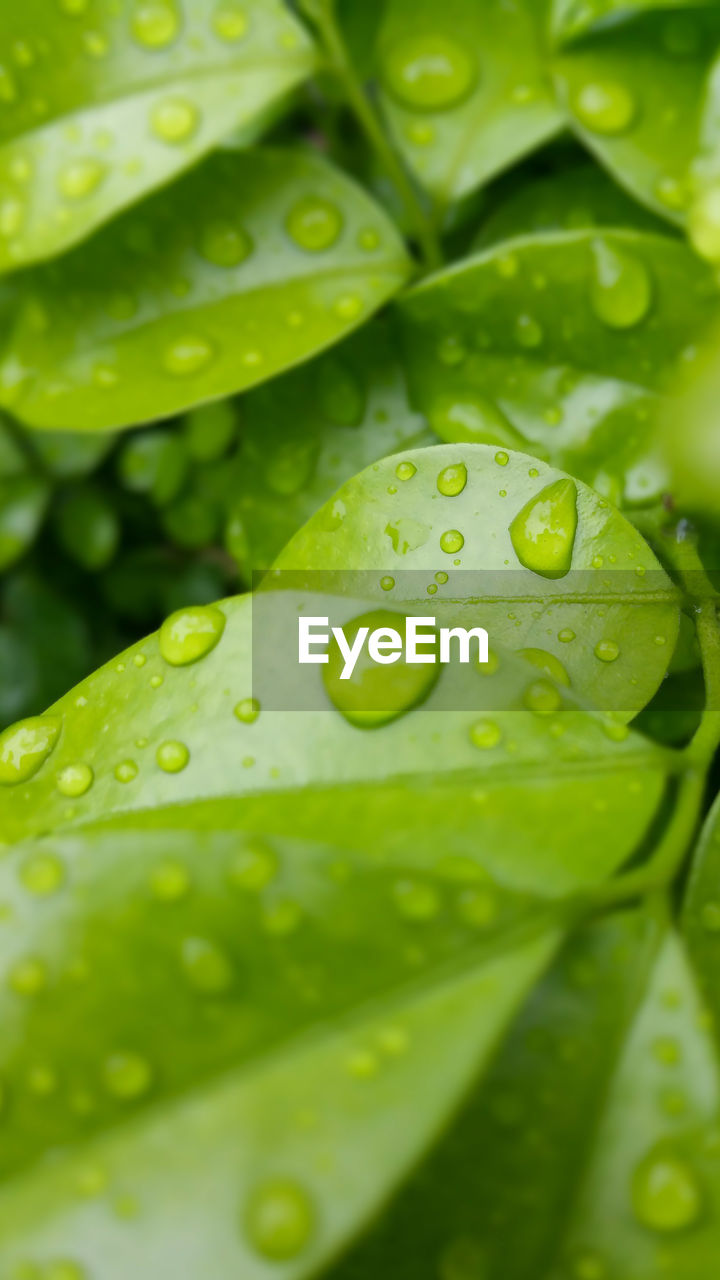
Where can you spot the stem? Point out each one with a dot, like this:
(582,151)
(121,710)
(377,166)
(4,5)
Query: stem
(704,744)
(323,14)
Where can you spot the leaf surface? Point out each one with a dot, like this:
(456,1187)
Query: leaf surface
(104,102)
(252,263)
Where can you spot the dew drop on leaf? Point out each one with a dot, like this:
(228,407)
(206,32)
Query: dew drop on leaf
(189,634)
(230,21)
(127,1075)
(169,882)
(247,710)
(405,470)
(528,333)
(416,900)
(374,694)
(607,650)
(172,756)
(429,72)
(485,734)
(704,225)
(126,771)
(314,224)
(174,120)
(205,966)
(605,107)
(542,698)
(621,290)
(187,355)
(452,480)
(43,874)
(154,23)
(279,1219)
(451,541)
(666,1195)
(543,532)
(75,779)
(80,178)
(254,866)
(224,244)
(25,746)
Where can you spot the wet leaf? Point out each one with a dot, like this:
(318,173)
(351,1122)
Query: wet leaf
(102,103)
(250,264)
(465,88)
(560,343)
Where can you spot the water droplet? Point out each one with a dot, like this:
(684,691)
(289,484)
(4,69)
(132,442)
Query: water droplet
(429,72)
(566,636)
(126,771)
(174,120)
(206,967)
(154,23)
(25,746)
(452,480)
(477,907)
(80,178)
(485,734)
(416,900)
(314,224)
(607,650)
(225,244)
(542,698)
(75,779)
(187,355)
(405,470)
(614,729)
(502,458)
(279,1219)
(127,1076)
(254,866)
(377,693)
(282,917)
(528,333)
(387,583)
(43,874)
(672,192)
(95,44)
(348,306)
(230,21)
(605,107)
(188,634)
(172,756)
(666,1196)
(543,532)
(621,290)
(169,882)
(368,239)
(247,710)
(451,541)
(28,977)
(546,662)
(452,351)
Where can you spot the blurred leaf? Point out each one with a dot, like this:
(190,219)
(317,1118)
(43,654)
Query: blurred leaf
(87,526)
(560,343)
(44,644)
(23,503)
(465,88)
(69,454)
(104,102)
(305,434)
(691,430)
(252,263)
(571,18)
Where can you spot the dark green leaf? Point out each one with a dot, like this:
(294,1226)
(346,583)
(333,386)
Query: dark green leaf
(571,18)
(252,263)
(23,502)
(101,103)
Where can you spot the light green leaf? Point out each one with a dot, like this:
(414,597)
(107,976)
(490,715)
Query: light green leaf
(560,343)
(251,263)
(465,88)
(102,102)
(633,93)
(305,434)
(601,1110)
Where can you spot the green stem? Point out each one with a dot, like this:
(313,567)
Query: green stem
(323,14)
(704,744)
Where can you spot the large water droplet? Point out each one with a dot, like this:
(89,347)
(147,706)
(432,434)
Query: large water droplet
(174,120)
(154,23)
(25,746)
(75,779)
(314,224)
(279,1219)
(605,107)
(80,178)
(429,72)
(451,541)
(666,1195)
(189,634)
(621,290)
(452,480)
(543,532)
(206,967)
(225,244)
(172,756)
(375,693)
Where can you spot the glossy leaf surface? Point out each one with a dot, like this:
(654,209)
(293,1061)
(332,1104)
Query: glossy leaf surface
(571,18)
(103,102)
(560,343)
(465,88)
(273,257)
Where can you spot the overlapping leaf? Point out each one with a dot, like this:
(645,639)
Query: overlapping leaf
(251,264)
(102,102)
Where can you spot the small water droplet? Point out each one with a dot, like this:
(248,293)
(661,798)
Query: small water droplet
(429,72)
(174,120)
(485,734)
(542,698)
(205,966)
(477,907)
(416,900)
(452,480)
(154,23)
(80,178)
(314,224)
(25,746)
(189,634)
(376,693)
(605,107)
(502,458)
(666,1195)
(187,355)
(126,771)
(451,541)
(127,1075)
(230,21)
(254,866)
(566,636)
(279,1219)
(405,470)
(607,650)
(75,779)
(621,290)
(28,977)
(247,710)
(225,244)
(543,532)
(172,756)
(387,583)
(42,874)
(169,882)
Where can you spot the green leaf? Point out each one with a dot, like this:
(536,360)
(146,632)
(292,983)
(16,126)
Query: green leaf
(23,503)
(572,18)
(601,1110)
(701,915)
(250,264)
(465,89)
(560,343)
(633,93)
(102,104)
(305,434)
